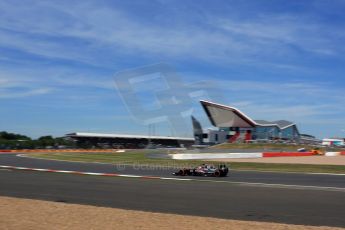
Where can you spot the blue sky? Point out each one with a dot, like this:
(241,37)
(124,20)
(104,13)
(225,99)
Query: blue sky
(271,59)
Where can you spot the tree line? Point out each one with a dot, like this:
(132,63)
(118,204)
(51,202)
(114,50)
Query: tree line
(18,141)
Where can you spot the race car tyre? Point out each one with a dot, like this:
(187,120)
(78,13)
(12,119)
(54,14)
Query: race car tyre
(181,172)
(217,173)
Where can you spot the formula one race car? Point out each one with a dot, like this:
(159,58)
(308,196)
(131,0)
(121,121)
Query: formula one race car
(204,170)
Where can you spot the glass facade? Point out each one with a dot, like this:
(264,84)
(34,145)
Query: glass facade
(274,132)
(266,132)
(290,133)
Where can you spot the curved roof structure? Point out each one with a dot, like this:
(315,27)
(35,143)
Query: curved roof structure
(226,116)
(282,124)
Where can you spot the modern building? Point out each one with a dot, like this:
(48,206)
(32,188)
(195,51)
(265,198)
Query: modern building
(235,126)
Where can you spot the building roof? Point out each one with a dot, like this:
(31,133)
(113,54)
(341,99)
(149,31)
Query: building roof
(282,124)
(226,116)
(126,136)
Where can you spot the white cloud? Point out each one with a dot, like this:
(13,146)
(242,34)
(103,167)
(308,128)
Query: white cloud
(14,86)
(280,31)
(221,40)
(281,90)
(296,112)
(6,94)
(83,80)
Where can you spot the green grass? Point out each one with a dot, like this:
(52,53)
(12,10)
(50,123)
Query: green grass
(140,158)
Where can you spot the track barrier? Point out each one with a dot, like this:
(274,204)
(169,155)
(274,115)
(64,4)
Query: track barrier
(287,154)
(195,156)
(62,150)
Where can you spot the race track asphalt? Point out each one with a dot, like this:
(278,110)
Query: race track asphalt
(292,205)
(320,180)
(220,200)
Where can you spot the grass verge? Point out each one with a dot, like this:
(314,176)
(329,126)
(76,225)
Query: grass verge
(141,158)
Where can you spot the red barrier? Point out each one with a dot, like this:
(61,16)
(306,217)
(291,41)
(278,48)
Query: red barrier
(5,151)
(342,153)
(287,154)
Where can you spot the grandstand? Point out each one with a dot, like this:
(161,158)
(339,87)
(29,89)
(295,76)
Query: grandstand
(101,140)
